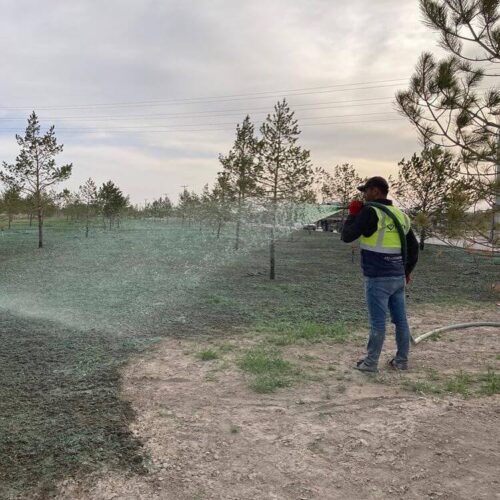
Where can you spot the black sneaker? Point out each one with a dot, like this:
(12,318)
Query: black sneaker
(362,366)
(398,365)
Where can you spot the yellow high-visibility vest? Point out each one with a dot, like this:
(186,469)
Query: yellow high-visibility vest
(386,238)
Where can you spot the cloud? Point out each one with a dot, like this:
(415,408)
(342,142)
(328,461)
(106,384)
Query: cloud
(86,54)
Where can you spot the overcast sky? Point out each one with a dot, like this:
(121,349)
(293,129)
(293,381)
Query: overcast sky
(148,93)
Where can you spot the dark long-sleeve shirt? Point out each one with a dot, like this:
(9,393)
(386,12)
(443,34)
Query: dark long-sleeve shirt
(365,224)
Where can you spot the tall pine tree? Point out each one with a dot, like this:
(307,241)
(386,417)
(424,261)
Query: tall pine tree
(285,167)
(241,169)
(35,170)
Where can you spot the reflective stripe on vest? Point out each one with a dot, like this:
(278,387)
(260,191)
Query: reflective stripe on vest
(386,238)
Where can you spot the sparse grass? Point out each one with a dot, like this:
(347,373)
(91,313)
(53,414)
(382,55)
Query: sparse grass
(381,378)
(207,355)
(220,300)
(304,332)
(226,347)
(307,357)
(264,384)
(490,383)
(260,361)
(462,383)
(436,337)
(211,377)
(459,384)
(433,374)
(270,370)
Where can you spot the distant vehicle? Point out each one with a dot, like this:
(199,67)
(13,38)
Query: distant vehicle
(309,227)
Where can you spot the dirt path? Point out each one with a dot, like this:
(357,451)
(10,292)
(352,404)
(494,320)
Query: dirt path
(340,434)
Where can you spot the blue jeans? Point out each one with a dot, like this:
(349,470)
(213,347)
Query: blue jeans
(382,294)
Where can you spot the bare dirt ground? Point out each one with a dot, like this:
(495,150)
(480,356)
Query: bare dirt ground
(340,434)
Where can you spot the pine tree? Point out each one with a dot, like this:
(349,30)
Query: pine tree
(35,170)
(112,201)
(188,205)
(89,197)
(285,168)
(342,185)
(424,187)
(223,198)
(455,101)
(242,170)
(12,203)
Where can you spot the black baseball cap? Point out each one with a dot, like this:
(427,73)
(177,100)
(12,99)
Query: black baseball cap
(378,182)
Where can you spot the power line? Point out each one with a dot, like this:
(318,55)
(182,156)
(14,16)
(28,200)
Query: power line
(229,98)
(163,130)
(228,112)
(225,123)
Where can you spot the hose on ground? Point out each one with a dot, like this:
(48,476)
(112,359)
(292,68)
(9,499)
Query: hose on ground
(458,326)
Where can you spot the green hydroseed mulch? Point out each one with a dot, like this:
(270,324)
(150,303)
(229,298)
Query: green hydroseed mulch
(74,312)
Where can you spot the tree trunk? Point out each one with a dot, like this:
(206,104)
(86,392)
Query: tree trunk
(10,220)
(219,226)
(110,223)
(422,239)
(238,224)
(272,246)
(31,219)
(493,230)
(272,252)
(237,242)
(40,227)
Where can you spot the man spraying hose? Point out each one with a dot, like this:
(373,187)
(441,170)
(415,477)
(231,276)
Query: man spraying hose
(389,253)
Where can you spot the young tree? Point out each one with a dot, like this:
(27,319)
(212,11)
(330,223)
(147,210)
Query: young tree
(12,203)
(30,207)
(35,170)
(206,207)
(112,201)
(188,205)
(342,185)
(285,168)
(425,186)
(89,197)
(162,207)
(182,204)
(69,204)
(242,170)
(455,101)
(222,197)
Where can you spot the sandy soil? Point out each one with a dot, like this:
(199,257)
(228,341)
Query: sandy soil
(343,435)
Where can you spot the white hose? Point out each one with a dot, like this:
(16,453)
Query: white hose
(459,326)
